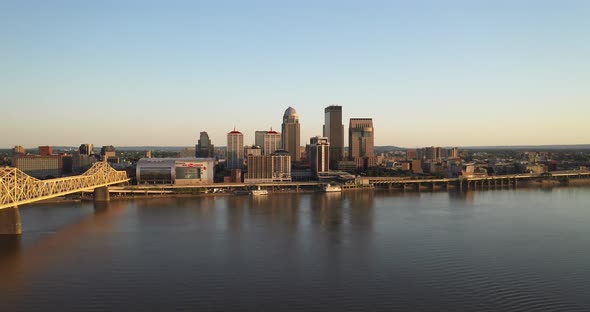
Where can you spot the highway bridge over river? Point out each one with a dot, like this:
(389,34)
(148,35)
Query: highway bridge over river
(17,188)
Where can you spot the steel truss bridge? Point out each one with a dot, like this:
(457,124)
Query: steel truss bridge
(17,188)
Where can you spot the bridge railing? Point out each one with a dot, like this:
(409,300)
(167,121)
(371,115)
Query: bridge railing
(16,187)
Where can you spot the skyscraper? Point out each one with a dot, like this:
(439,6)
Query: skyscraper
(235,150)
(319,154)
(204,148)
(360,138)
(259,138)
(334,131)
(272,142)
(290,135)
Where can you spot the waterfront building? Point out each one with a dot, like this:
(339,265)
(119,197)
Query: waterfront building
(272,142)
(86,149)
(334,131)
(45,150)
(291,133)
(39,166)
(361,148)
(417,166)
(319,154)
(177,171)
(269,168)
(235,150)
(204,147)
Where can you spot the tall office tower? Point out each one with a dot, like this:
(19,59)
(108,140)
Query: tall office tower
(259,138)
(360,138)
(19,150)
(319,153)
(45,150)
(204,148)
(290,135)
(272,142)
(235,150)
(334,131)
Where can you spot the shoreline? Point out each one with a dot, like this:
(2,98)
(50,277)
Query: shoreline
(453,188)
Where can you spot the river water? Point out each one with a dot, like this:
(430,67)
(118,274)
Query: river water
(501,250)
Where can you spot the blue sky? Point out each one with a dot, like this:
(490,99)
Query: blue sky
(446,73)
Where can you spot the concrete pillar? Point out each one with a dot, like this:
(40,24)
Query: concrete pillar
(10,222)
(101,194)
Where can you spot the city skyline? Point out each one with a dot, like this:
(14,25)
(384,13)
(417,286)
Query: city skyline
(428,73)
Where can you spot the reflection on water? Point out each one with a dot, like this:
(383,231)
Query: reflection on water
(501,250)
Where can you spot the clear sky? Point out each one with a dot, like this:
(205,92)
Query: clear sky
(448,73)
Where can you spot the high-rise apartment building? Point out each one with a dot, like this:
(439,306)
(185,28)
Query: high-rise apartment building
(334,131)
(319,153)
(235,150)
(204,148)
(272,142)
(269,168)
(361,138)
(86,149)
(291,133)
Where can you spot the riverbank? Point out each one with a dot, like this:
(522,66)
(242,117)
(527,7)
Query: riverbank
(346,188)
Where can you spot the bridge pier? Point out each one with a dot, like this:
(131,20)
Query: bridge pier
(10,221)
(101,194)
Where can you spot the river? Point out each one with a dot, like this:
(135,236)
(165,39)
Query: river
(370,250)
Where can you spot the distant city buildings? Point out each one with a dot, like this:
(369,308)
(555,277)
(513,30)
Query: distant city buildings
(204,147)
(334,131)
(86,149)
(235,150)
(19,150)
(45,150)
(108,154)
(291,133)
